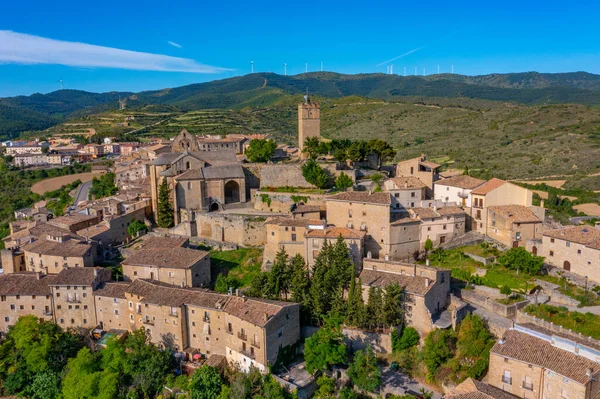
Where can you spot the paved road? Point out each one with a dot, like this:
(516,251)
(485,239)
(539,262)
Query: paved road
(83,192)
(397,383)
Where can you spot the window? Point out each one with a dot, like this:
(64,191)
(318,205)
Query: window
(527,383)
(293,237)
(293,228)
(444,227)
(171,274)
(7,319)
(568,243)
(506,378)
(397,195)
(135,273)
(349,213)
(115,300)
(58,307)
(272,233)
(84,321)
(552,240)
(18,297)
(413,194)
(518,235)
(579,252)
(32,307)
(286,228)
(117,312)
(13,307)
(551,253)
(364,213)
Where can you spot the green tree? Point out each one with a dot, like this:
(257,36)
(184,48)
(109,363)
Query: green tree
(261,150)
(383,150)
(135,227)
(343,181)
(428,246)
(439,347)
(505,290)
(341,269)
(206,383)
(314,174)
(45,385)
(392,314)
(358,151)
(278,282)
(326,388)
(377,178)
(409,338)
(326,347)
(164,206)
(520,259)
(473,344)
(299,280)
(355,313)
(364,371)
(340,155)
(374,308)
(312,147)
(103,186)
(321,295)
(224,282)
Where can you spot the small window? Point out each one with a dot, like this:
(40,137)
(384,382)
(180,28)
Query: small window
(293,237)
(568,243)
(579,252)
(552,240)
(413,194)
(551,253)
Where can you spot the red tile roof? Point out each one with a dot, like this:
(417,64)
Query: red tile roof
(489,186)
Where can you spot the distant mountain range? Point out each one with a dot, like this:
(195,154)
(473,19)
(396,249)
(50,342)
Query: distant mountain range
(40,111)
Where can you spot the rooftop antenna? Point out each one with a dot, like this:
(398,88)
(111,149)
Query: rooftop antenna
(404,71)
(252,65)
(285,69)
(61,83)
(321,66)
(306,67)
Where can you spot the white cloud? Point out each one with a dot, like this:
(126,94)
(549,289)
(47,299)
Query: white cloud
(175,44)
(401,55)
(19,48)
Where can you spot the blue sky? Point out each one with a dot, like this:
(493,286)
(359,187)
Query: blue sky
(214,40)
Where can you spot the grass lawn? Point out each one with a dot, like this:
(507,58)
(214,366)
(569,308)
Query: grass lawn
(242,263)
(478,250)
(287,189)
(585,323)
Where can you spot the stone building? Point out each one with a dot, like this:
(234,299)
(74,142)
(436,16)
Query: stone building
(575,249)
(315,239)
(126,174)
(440,225)
(54,253)
(426,289)
(288,233)
(24,294)
(515,225)
(75,222)
(492,193)
(456,189)
(407,192)
(427,172)
(473,389)
(309,122)
(534,363)
(72,293)
(247,331)
(178,266)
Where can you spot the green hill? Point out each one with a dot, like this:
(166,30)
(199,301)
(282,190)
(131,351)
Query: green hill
(39,111)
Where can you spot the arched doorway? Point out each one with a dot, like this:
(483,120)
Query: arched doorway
(232,192)
(534,250)
(567,265)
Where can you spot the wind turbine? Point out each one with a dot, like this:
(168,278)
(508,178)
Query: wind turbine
(415,71)
(321,66)
(392,69)
(306,67)
(453,69)
(438,69)
(423,71)
(252,65)
(404,71)
(61,83)
(285,69)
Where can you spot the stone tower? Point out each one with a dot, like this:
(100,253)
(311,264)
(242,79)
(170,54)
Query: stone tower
(309,122)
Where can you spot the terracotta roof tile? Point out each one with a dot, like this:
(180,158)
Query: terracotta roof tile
(412,284)
(586,235)
(284,221)
(112,290)
(461,181)
(175,258)
(473,389)
(406,183)
(81,276)
(380,198)
(25,284)
(516,213)
(488,186)
(529,349)
(69,248)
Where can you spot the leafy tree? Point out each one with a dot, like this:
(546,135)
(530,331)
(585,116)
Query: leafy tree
(259,286)
(326,388)
(321,295)
(299,280)
(45,385)
(341,270)
(377,178)
(383,150)
(439,347)
(520,259)
(164,206)
(206,383)
(474,341)
(340,155)
(278,281)
(343,181)
(347,393)
(428,245)
(314,174)
(225,282)
(355,313)
(261,150)
(326,347)
(409,338)
(364,371)
(358,151)
(312,147)
(103,186)
(136,227)
(392,314)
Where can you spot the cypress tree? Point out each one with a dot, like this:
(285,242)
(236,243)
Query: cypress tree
(164,206)
(374,307)
(342,267)
(299,280)
(392,314)
(355,313)
(277,275)
(321,290)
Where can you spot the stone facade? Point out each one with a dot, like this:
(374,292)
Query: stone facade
(407,192)
(54,253)
(427,172)
(24,294)
(514,225)
(309,122)
(238,229)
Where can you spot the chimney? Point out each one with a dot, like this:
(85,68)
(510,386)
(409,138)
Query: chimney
(369,255)
(237,292)
(405,184)
(427,263)
(266,315)
(386,257)
(427,282)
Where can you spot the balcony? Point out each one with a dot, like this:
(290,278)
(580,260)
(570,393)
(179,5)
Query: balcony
(528,386)
(507,380)
(248,353)
(73,300)
(173,314)
(149,322)
(255,344)
(242,336)
(230,332)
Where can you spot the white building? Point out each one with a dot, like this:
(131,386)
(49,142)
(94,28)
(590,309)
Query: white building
(456,189)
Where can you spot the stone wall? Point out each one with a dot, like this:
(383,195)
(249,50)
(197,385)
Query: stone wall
(358,339)
(483,300)
(460,310)
(237,229)
(485,261)
(283,175)
(556,296)
(523,318)
(281,202)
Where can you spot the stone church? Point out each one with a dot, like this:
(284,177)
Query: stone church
(199,180)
